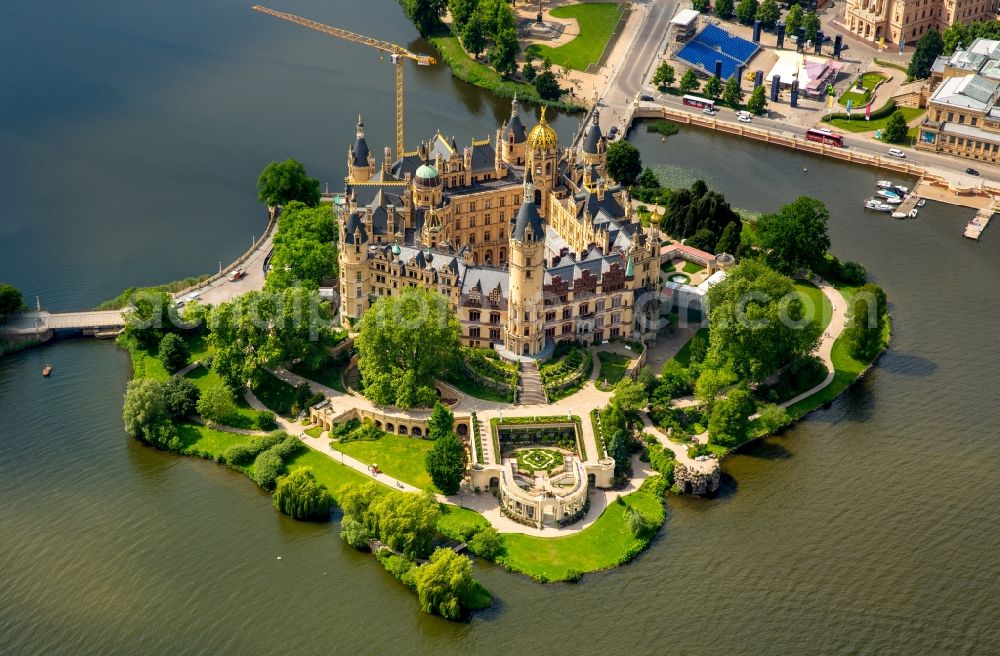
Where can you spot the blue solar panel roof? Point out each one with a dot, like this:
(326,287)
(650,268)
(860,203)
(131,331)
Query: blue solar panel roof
(714,43)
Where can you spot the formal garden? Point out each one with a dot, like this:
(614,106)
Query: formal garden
(534,460)
(567,371)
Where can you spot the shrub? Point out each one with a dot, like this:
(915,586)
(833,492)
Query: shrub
(300,496)
(266,469)
(265,420)
(173,352)
(488,543)
(573,576)
(180,396)
(354,533)
(639,524)
(243,454)
(365,430)
(399,567)
(287,447)
(216,404)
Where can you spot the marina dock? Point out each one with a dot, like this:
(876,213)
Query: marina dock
(974,229)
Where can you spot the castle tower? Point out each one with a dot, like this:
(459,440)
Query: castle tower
(360,161)
(512,139)
(595,145)
(355,279)
(543,160)
(525,328)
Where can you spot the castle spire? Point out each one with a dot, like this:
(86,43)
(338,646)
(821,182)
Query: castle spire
(529,186)
(361,128)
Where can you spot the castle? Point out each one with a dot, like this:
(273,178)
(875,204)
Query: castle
(532,244)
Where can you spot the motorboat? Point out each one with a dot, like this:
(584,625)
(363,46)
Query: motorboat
(899,215)
(883,184)
(888,195)
(913,213)
(901,189)
(47,371)
(921,202)
(877,205)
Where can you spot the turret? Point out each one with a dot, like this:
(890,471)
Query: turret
(543,159)
(353,259)
(595,145)
(513,138)
(360,161)
(525,328)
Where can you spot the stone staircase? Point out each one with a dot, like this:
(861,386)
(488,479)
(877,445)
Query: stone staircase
(529,388)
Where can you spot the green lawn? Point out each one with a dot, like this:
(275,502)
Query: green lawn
(597,21)
(868,81)
(612,368)
(397,455)
(328,471)
(692,267)
(859,124)
(275,393)
(202,440)
(600,546)
(683,356)
(474,388)
(198,347)
(315,431)
(815,301)
(456,523)
(474,72)
(205,378)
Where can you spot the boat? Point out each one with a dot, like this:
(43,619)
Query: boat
(914,212)
(899,215)
(901,189)
(877,205)
(885,193)
(921,202)
(883,184)
(47,371)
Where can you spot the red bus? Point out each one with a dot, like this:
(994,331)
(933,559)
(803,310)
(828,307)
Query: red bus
(823,135)
(698,101)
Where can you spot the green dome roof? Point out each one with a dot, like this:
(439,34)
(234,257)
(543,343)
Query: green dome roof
(426,171)
(395,249)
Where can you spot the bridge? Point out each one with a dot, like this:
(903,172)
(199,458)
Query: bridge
(42,324)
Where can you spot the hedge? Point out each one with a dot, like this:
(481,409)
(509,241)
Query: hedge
(885,110)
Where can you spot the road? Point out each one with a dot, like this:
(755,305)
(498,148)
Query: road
(222,290)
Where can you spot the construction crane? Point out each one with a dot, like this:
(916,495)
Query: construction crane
(396,54)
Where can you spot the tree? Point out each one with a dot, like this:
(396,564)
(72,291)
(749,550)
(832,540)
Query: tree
(774,417)
(793,19)
(216,404)
(529,72)
(630,395)
(145,408)
(758,101)
(713,88)
(746,10)
(703,240)
(639,523)
(173,353)
(446,462)
(929,48)
(301,496)
(688,82)
(444,583)
(503,54)
(354,532)
(461,11)
(699,5)
(711,383)
(304,252)
(723,8)
(729,242)
(648,179)
(497,16)
(281,182)
(547,87)
(180,397)
(733,93)
(619,448)
(624,163)
(768,13)
(441,423)
(474,35)
(403,343)
(795,237)
(690,210)
(729,423)
(487,543)
(757,322)
(896,128)
(257,330)
(664,76)
(810,25)
(150,316)
(866,322)
(425,14)
(11,301)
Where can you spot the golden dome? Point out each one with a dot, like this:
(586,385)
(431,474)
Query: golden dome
(542,136)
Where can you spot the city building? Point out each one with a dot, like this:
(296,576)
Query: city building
(905,21)
(531,243)
(963,117)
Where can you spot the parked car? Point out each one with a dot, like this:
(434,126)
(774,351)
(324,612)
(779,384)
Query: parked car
(646,97)
(193,296)
(971,171)
(612,133)
(744,118)
(896,152)
(236,274)
(709,111)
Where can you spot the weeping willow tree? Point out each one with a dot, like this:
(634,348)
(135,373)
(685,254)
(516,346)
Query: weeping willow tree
(301,496)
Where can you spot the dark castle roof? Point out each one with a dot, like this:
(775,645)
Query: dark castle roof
(593,136)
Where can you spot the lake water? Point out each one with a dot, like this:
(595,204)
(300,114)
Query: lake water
(133,134)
